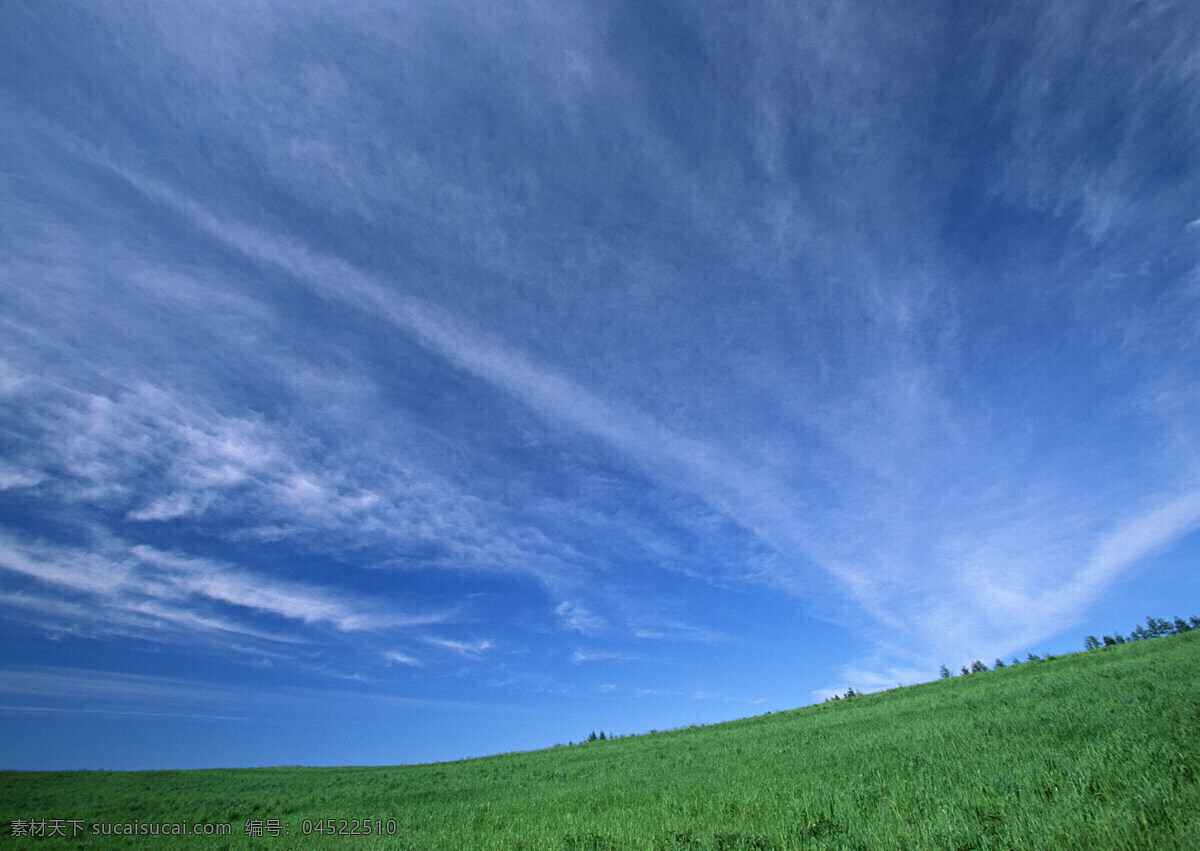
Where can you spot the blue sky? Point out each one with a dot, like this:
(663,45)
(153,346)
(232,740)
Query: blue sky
(393,382)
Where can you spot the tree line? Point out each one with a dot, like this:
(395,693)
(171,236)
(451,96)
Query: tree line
(1154,628)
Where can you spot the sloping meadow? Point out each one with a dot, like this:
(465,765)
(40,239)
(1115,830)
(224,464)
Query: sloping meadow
(1094,750)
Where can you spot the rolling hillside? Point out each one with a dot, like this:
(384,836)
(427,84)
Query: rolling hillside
(1094,750)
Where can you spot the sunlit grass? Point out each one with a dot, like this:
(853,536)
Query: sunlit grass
(1094,750)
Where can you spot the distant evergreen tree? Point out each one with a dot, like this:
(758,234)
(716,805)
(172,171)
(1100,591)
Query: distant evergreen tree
(999,664)
(1091,643)
(1119,638)
(1109,641)
(592,736)
(965,671)
(1139,634)
(978,667)
(1181,625)
(1194,621)
(1158,628)
(602,735)
(1016,661)
(944,672)
(1033,657)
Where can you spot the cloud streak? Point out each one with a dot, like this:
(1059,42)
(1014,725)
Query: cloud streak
(738,487)
(162,596)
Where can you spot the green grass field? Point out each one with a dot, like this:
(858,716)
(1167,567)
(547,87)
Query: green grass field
(1095,750)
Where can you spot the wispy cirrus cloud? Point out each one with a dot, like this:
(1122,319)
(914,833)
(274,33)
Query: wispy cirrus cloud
(157,457)
(399,658)
(579,618)
(582,656)
(913,415)
(162,596)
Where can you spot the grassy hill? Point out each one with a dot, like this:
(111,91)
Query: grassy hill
(1095,750)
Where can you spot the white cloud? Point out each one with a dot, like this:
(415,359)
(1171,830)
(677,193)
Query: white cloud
(580,656)
(1151,530)
(269,595)
(114,586)
(466,649)
(12,477)
(578,618)
(159,456)
(667,630)
(400,658)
